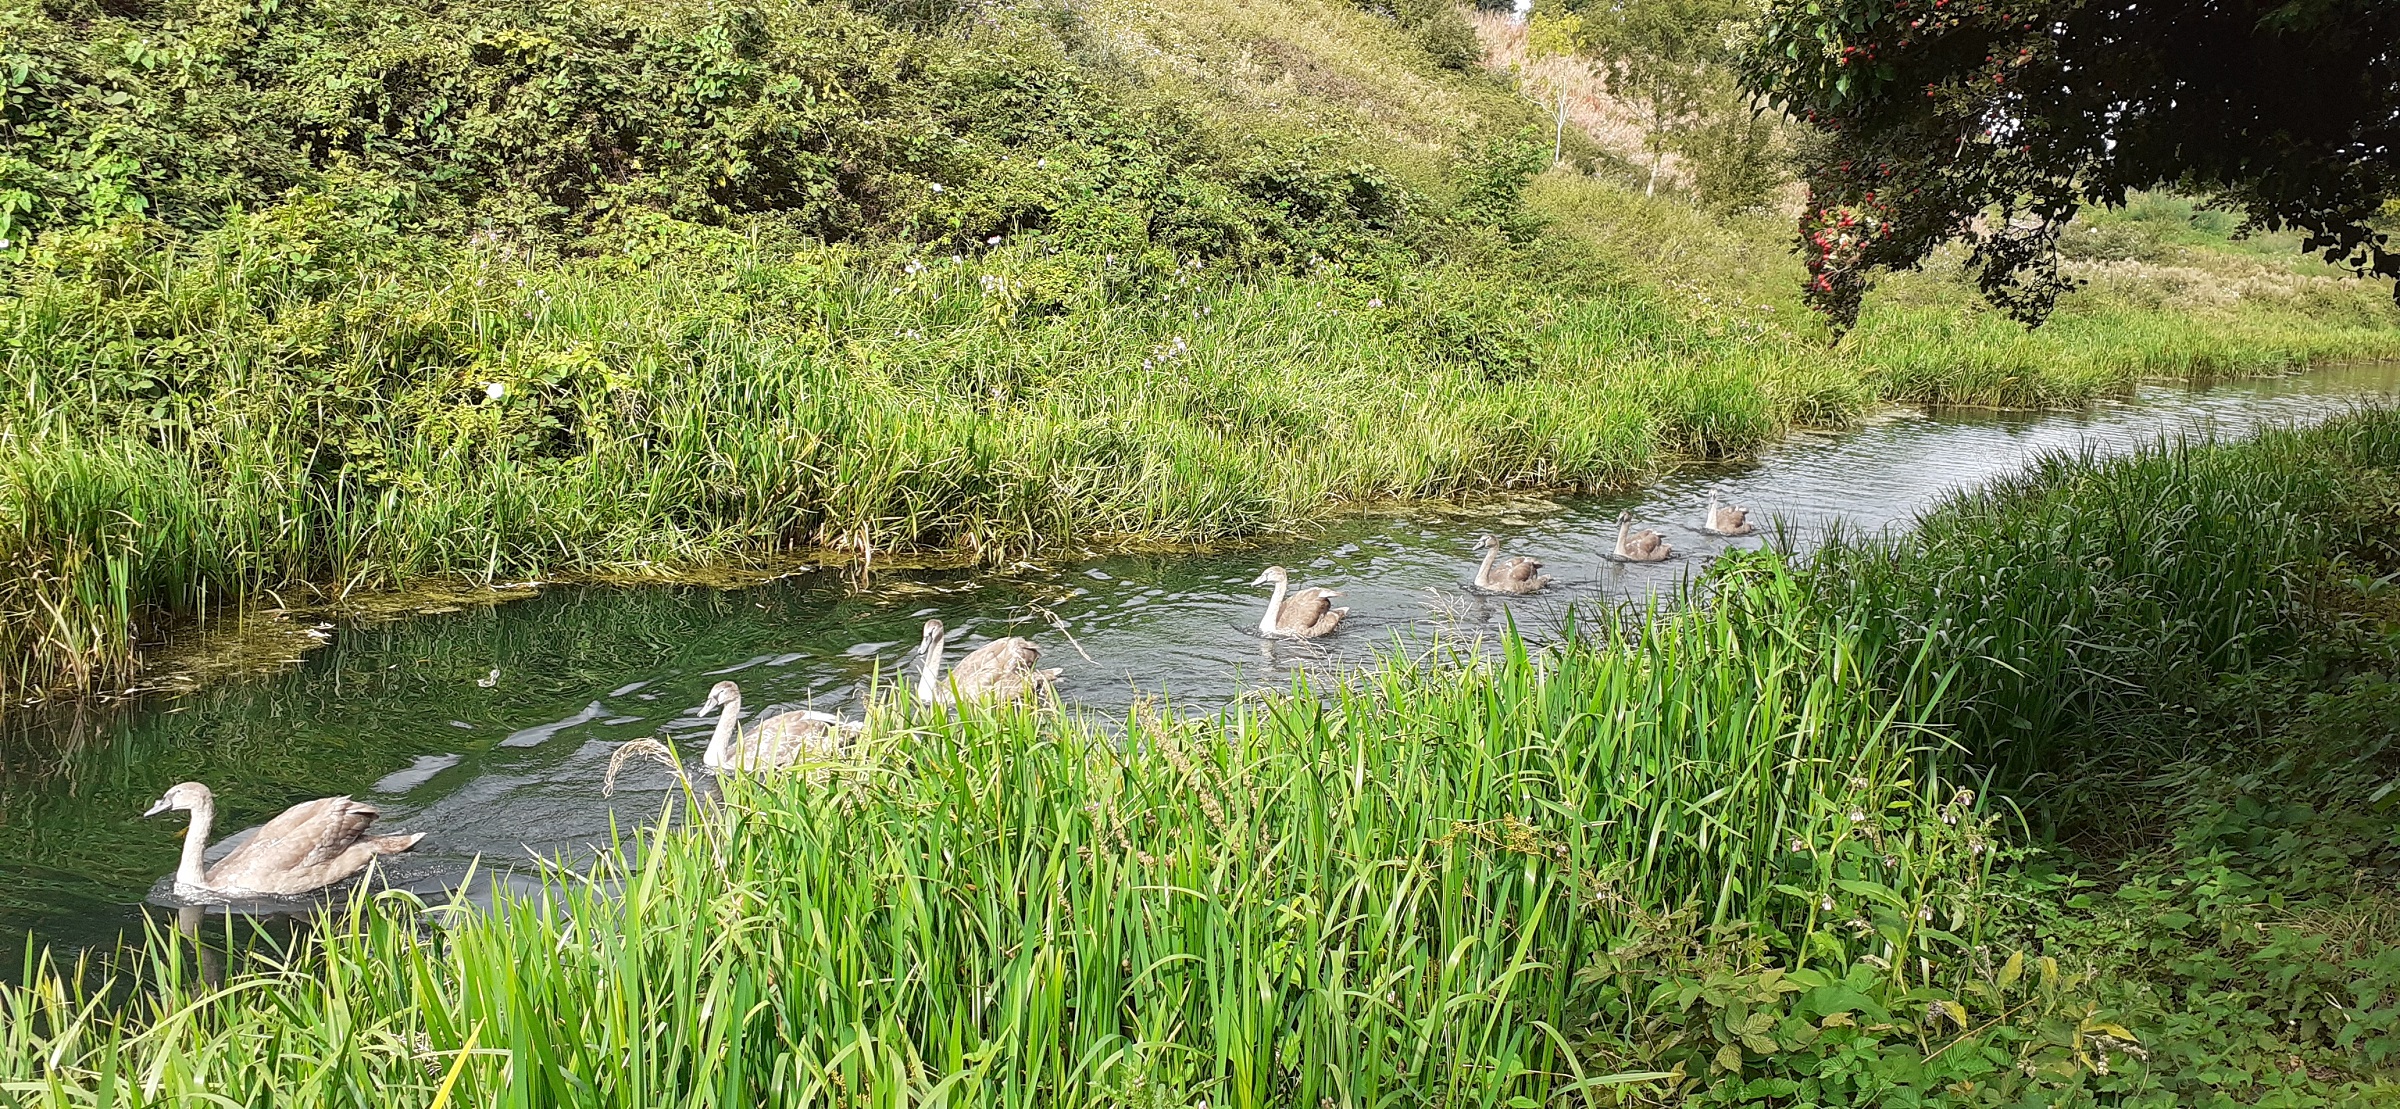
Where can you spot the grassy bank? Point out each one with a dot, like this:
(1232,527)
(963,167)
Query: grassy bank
(598,291)
(1825,839)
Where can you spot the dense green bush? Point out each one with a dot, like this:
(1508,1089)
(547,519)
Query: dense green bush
(553,123)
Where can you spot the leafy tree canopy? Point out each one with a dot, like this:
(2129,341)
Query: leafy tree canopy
(1995,120)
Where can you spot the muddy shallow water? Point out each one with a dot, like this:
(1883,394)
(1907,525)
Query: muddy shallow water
(491,727)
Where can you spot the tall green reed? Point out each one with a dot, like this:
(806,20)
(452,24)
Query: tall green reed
(1373,892)
(2084,594)
(1416,885)
(366,411)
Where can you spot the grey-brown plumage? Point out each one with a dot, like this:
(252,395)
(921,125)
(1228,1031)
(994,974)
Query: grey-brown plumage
(1726,519)
(1002,669)
(775,742)
(1297,614)
(312,845)
(1515,575)
(1638,546)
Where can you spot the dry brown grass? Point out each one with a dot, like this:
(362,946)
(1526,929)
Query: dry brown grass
(1612,123)
(1312,67)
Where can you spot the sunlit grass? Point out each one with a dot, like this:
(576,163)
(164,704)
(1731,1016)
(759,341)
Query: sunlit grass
(1390,888)
(462,414)
(1360,893)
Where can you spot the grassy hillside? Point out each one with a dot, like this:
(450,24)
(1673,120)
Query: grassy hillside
(342,295)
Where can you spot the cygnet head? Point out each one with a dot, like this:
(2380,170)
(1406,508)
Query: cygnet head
(933,634)
(719,696)
(181,798)
(1625,517)
(1487,541)
(1271,575)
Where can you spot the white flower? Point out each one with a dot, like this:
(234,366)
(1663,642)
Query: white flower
(3,244)
(993,241)
(1826,904)
(937,186)
(1375,303)
(913,266)
(493,390)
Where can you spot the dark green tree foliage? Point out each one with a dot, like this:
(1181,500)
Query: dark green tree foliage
(1995,120)
(552,122)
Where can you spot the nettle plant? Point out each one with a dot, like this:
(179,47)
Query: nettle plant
(1893,963)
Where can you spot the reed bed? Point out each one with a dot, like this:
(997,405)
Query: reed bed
(290,404)
(1438,881)
(1358,894)
(381,414)
(2086,598)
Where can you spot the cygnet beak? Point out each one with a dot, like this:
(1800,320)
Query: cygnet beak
(161,805)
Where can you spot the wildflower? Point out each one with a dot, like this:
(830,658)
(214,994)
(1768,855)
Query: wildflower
(1891,860)
(1375,303)
(1925,914)
(1826,904)
(913,267)
(957,258)
(1799,844)
(3,244)
(993,241)
(937,186)
(1857,815)
(493,390)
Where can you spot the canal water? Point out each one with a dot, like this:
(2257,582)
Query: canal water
(491,728)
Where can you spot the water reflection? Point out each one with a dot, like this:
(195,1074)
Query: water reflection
(491,728)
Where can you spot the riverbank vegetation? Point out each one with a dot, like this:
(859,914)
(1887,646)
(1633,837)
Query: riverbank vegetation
(501,294)
(1860,829)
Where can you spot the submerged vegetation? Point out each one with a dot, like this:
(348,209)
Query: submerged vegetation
(1783,846)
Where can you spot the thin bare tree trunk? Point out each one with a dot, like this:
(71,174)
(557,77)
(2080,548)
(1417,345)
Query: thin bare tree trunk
(1558,137)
